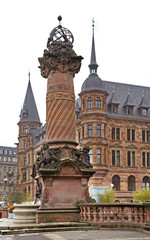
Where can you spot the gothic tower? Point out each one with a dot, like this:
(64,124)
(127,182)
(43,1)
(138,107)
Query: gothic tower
(29,120)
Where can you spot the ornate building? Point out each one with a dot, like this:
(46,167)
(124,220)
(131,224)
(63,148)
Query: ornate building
(113,119)
(31,136)
(8,170)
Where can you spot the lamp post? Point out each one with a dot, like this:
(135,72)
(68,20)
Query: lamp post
(5,188)
(112,186)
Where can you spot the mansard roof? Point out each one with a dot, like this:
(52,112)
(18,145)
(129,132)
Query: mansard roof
(29,112)
(124,98)
(123,95)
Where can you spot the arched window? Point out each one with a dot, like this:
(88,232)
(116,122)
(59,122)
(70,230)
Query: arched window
(131,183)
(116,182)
(146,183)
(98,102)
(90,102)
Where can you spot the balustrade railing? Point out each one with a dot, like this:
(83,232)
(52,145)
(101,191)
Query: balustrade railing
(111,213)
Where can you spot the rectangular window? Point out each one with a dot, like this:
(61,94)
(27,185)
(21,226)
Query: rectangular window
(83,132)
(145,136)
(131,158)
(98,130)
(130,110)
(79,137)
(146,159)
(115,157)
(115,133)
(83,104)
(148,136)
(118,158)
(115,108)
(98,155)
(143,159)
(130,134)
(25,161)
(128,158)
(29,158)
(89,130)
(91,155)
(25,144)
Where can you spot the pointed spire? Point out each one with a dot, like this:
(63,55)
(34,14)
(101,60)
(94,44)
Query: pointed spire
(29,75)
(93,65)
(29,111)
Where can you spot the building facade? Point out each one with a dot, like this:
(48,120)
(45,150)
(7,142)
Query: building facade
(8,170)
(113,119)
(30,139)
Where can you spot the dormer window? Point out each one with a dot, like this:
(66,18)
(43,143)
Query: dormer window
(144,112)
(90,102)
(25,115)
(129,110)
(114,108)
(98,102)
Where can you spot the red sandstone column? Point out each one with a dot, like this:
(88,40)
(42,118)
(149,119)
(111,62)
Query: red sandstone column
(60,107)
(60,64)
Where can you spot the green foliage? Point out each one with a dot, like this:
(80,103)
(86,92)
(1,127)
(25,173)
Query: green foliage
(107,197)
(16,197)
(142,196)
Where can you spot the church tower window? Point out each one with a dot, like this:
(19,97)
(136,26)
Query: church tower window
(98,102)
(90,102)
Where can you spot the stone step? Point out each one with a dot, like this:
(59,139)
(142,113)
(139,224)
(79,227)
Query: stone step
(48,229)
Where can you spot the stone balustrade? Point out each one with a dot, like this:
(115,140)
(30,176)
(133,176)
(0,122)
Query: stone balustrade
(116,213)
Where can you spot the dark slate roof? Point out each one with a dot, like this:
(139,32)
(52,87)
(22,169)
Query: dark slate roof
(129,101)
(122,92)
(77,104)
(119,93)
(93,82)
(144,103)
(9,149)
(113,99)
(29,107)
(37,132)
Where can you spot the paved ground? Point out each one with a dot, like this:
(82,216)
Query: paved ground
(78,235)
(83,235)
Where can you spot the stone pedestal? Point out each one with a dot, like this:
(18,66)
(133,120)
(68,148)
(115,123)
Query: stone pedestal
(63,182)
(25,213)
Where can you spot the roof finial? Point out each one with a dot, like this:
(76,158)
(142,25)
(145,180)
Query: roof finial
(59,19)
(29,75)
(113,89)
(93,26)
(143,93)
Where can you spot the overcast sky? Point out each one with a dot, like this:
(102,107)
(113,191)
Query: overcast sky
(122,40)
